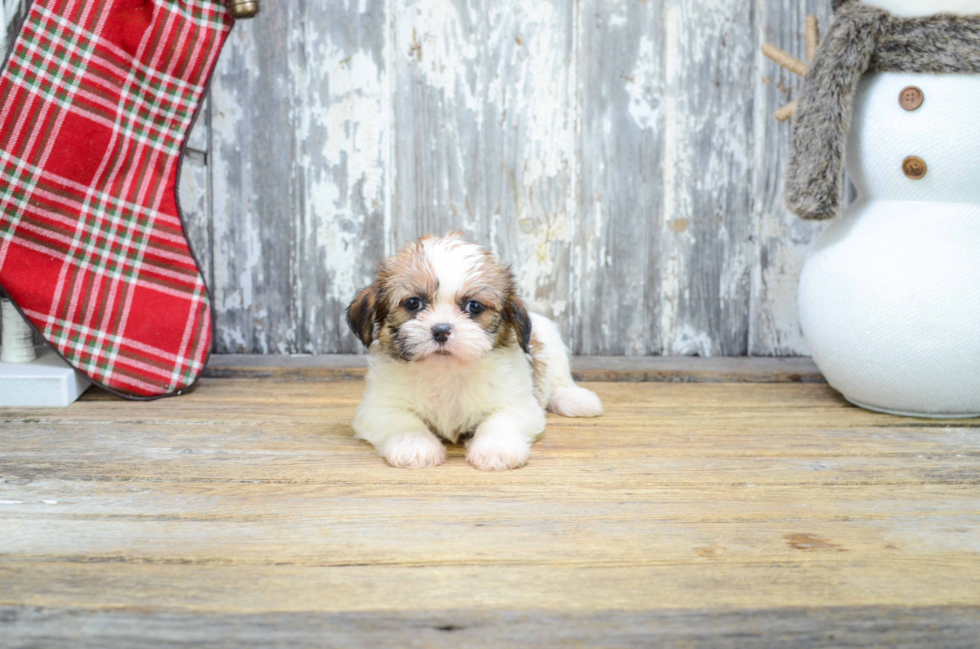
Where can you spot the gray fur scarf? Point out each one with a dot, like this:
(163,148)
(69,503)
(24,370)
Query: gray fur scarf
(862,39)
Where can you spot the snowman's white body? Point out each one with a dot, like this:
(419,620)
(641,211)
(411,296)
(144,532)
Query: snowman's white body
(890,294)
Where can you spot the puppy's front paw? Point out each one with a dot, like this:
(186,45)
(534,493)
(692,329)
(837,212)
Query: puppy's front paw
(498,453)
(413,451)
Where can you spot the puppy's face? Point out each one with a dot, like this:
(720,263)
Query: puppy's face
(440,298)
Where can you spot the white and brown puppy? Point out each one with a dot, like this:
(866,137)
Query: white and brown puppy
(455,353)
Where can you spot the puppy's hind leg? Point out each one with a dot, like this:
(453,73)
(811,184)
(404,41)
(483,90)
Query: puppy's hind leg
(573,401)
(553,374)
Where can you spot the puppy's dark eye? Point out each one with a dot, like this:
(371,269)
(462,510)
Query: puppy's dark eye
(413,304)
(474,308)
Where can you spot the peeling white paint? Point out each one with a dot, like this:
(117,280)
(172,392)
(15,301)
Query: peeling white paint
(539,93)
(707,164)
(643,84)
(435,39)
(673,166)
(228,118)
(537,266)
(687,341)
(348,166)
(469,114)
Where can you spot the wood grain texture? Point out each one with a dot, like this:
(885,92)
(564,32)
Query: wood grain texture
(619,153)
(194,192)
(782,238)
(484,132)
(706,249)
(695,509)
(254,203)
(298,140)
(802,628)
(622,78)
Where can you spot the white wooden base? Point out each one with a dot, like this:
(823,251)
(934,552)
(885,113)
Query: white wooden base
(48,382)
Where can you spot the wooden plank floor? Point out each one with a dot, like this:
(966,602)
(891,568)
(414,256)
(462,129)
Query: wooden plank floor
(696,515)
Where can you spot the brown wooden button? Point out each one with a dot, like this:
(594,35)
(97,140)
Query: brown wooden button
(911,98)
(915,167)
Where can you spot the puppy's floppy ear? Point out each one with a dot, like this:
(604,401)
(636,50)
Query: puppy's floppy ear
(516,314)
(363,313)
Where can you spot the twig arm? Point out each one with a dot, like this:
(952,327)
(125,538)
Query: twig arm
(786,111)
(812,37)
(784,59)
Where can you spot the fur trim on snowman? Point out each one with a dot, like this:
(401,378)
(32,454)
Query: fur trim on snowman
(882,36)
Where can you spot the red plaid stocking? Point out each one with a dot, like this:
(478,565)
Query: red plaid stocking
(96,100)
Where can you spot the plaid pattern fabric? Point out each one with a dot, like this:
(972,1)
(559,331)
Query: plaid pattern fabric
(95,102)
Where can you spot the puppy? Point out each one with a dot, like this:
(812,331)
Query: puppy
(454,355)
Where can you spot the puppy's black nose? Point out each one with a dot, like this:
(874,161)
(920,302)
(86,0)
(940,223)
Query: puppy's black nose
(441,332)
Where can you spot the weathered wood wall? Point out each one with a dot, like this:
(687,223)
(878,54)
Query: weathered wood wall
(620,153)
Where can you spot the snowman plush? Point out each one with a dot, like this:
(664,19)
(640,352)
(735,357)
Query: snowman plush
(890,294)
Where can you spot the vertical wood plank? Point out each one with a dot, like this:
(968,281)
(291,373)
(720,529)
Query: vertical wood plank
(621,87)
(341,125)
(782,238)
(485,125)
(254,203)
(194,192)
(299,128)
(706,231)
(195,203)
(199,139)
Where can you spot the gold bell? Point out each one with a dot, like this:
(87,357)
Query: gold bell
(241,9)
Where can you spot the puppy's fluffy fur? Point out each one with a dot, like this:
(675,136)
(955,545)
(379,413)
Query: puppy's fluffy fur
(485,381)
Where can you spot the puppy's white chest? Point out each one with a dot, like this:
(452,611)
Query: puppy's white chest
(453,398)
(453,403)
